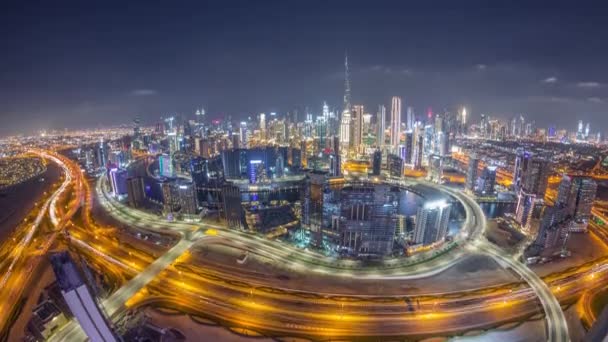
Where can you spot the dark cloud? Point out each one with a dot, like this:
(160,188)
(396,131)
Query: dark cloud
(74,64)
(144,92)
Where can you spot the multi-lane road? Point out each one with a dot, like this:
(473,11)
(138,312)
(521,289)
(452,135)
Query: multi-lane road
(229,294)
(25,252)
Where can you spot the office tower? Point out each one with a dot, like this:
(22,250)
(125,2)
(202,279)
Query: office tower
(587,129)
(436,168)
(102,154)
(409,147)
(409,124)
(463,121)
(345,131)
(136,129)
(395,165)
(233,210)
(367,125)
(337,156)
(279,167)
(367,224)
(165,165)
(418,146)
(235,140)
(358,127)
(256,171)
(429,141)
(381,126)
(262,125)
(525,206)
(244,134)
(377,163)
(513,130)
(521,158)
(553,230)
(442,144)
(200,116)
(395,122)
(135,191)
(580,202)
(563,192)
(186,197)
(472,173)
(487,181)
(170,201)
(432,221)
(118,180)
(536,176)
(80,300)
(321,132)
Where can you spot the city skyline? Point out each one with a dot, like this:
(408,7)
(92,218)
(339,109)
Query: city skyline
(338,170)
(119,66)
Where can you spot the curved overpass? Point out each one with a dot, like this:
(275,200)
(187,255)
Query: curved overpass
(471,235)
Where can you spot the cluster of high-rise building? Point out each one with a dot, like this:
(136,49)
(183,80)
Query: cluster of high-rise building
(245,172)
(518,128)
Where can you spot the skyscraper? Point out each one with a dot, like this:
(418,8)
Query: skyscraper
(535,177)
(395,166)
(377,163)
(520,158)
(409,147)
(525,206)
(395,123)
(472,172)
(118,180)
(80,300)
(435,168)
(463,121)
(418,146)
(346,85)
(243,134)
(345,131)
(553,230)
(135,191)
(432,220)
(186,197)
(410,119)
(381,125)
(487,181)
(580,202)
(263,126)
(165,165)
(358,111)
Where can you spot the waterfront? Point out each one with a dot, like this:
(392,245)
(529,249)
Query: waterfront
(18,200)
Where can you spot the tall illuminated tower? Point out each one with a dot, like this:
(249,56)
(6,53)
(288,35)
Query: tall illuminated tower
(346,85)
(345,122)
(358,127)
(381,123)
(410,119)
(263,125)
(395,122)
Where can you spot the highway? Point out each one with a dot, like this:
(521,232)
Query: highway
(230,294)
(116,302)
(23,256)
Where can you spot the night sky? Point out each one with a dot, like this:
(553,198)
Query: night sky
(71,65)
